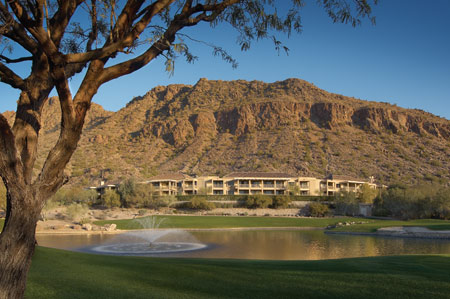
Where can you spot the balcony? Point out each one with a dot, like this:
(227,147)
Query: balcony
(269,185)
(244,185)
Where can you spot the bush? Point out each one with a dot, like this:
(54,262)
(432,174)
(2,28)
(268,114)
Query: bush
(258,201)
(347,204)
(48,206)
(318,209)
(76,211)
(111,199)
(281,202)
(200,204)
(426,201)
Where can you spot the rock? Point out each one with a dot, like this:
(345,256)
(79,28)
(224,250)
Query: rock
(109,227)
(87,226)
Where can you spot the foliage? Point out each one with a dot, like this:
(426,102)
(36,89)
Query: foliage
(76,211)
(66,196)
(49,205)
(347,203)
(198,203)
(258,201)
(317,209)
(294,189)
(281,201)
(127,190)
(417,202)
(111,199)
(367,194)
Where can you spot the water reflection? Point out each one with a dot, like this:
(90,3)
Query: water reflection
(275,245)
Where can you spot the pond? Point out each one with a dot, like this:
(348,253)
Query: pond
(268,244)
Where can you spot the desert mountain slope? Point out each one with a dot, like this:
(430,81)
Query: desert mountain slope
(215,127)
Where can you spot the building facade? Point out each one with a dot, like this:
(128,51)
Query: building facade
(252,183)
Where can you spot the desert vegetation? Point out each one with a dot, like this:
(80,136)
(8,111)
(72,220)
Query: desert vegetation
(414,202)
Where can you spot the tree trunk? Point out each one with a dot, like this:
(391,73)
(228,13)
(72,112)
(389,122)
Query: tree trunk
(17,243)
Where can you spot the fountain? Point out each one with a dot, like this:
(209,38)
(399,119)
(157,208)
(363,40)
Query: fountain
(150,240)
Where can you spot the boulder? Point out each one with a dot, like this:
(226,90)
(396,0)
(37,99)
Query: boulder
(87,226)
(109,227)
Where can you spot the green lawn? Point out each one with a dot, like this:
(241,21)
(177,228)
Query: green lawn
(2,221)
(230,222)
(63,274)
(373,225)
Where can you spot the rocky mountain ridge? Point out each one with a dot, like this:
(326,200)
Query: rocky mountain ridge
(215,127)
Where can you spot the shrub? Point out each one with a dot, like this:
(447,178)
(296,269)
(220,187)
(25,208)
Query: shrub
(111,199)
(48,206)
(200,204)
(347,204)
(281,202)
(76,211)
(426,201)
(318,209)
(258,201)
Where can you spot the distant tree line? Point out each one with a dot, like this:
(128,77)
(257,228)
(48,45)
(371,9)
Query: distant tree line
(416,202)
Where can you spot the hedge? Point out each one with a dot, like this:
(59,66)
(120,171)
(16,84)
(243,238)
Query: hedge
(240,198)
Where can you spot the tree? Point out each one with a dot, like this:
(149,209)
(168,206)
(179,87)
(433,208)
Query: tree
(127,191)
(111,199)
(65,38)
(367,194)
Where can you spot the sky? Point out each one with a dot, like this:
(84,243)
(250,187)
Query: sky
(404,59)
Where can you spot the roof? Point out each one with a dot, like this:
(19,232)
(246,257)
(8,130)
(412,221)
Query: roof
(170,177)
(346,178)
(262,175)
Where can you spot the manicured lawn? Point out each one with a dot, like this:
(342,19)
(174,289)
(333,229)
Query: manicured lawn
(229,222)
(63,274)
(2,221)
(373,225)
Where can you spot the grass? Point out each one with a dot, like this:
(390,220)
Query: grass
(373,225)
(63,274)
(229,222)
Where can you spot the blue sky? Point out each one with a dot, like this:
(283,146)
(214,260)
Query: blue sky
(404,59)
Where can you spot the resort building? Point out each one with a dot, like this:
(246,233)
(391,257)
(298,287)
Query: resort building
(250,183)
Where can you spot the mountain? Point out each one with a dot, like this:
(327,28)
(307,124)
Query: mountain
(216,127)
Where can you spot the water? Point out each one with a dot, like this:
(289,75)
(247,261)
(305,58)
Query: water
(149,241)
(271,244)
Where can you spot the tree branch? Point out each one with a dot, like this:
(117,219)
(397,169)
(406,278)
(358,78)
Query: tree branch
(122,26)
(60,20)
(16,60)
(18,33)
(21,14)
(9,77)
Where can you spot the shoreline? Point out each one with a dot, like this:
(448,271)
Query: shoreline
(400,232)
(118,231)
